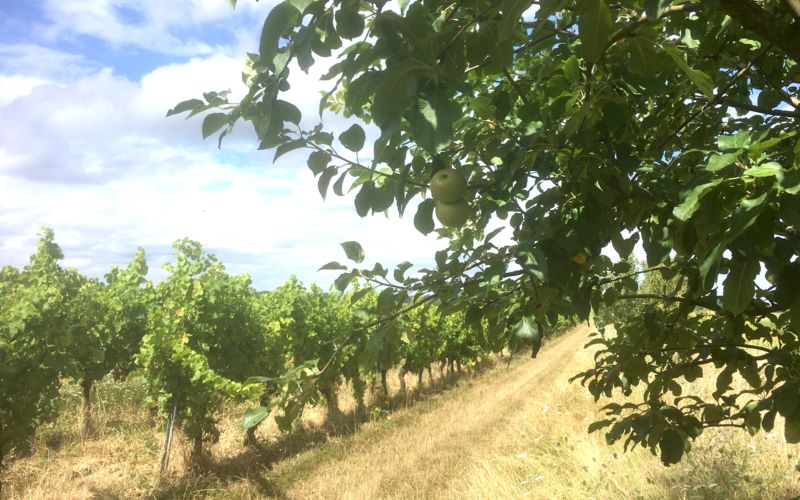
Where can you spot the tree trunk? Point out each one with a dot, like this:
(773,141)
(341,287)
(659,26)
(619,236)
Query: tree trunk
(87,427)
(250,436)
(332,402)
(430,375)
(401,376)
(419,380)
(197,447)
(384,385)
(441,369)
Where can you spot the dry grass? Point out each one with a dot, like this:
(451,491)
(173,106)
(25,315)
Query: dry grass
(517,432)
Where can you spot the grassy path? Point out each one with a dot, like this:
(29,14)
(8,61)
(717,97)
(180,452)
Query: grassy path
(521,433)
(423,457)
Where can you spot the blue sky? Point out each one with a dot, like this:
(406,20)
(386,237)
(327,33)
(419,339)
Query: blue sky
(86,150)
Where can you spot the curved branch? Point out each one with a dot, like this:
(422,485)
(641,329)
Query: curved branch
(758,109)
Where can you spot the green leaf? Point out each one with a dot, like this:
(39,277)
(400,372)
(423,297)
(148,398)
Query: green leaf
(213,122)
(325,180)
(739,286)
(792,430)
(643,56)
(432,124)
(794,315)
(787,399)
(671,445)
(423,220)
(527,330)
(739,140)
(364,198)
(333,266)
(401,270)
(349,23)
(594,28)
(318,161)
(769,99)
(353,138)
(701,80)
(287,111)
(770,169)
(746,214)
(691,202)
(534,262)
(188,105)
(281,18)
(254,416)
(720,161)
(287,147)
(353,250)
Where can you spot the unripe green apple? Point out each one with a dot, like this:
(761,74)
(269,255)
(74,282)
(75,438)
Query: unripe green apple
(452,214)
(448,186)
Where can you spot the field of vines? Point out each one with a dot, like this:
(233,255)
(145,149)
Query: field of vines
(202,337)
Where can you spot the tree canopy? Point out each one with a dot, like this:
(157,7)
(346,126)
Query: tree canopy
(580,125)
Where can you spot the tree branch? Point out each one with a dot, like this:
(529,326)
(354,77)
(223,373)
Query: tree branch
(669,298)
(627,30)
(782,34)
(758,109)
(631,275)
(516,86)
(794,7)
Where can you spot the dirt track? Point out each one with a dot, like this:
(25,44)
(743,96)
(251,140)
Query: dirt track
(420,457)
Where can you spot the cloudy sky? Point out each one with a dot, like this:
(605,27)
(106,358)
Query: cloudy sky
(86,148)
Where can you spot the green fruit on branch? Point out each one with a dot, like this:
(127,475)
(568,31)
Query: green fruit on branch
(452,214)
(448,186)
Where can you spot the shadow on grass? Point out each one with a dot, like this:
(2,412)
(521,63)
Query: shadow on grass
(252,463)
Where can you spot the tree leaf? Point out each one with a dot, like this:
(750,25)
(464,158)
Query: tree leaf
(364,198)
(188,105)
(353,138)
(792,430)
(740,285)
(423,220)
(213,122)
(325,180)
(254,416)
(643,56)
(671,445)
(701,80)
(787,399)
(318,161)
(353,250)
(719,161)
(333,266)
(691,202)
(594,28)
(282,17)
(739,140)
(432,124)
(769,169)
(287,147)
(746,214)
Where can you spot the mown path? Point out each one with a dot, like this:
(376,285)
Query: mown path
(420,457)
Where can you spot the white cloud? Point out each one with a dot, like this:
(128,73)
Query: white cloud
(93,157)
(155,25)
